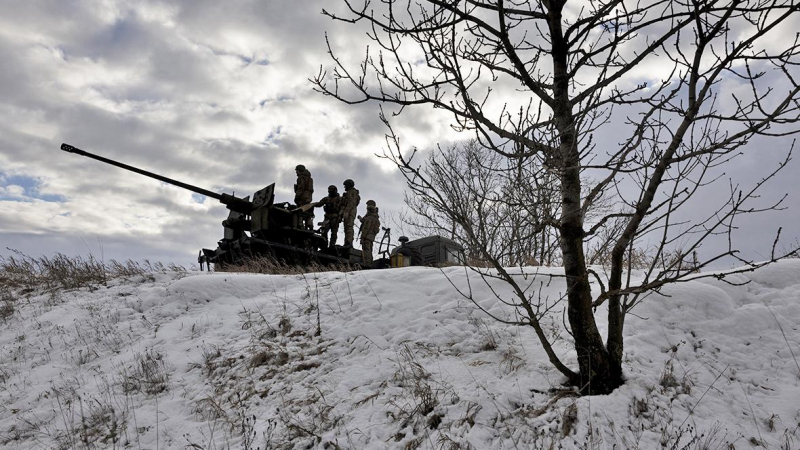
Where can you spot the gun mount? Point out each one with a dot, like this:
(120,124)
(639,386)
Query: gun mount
(254,228)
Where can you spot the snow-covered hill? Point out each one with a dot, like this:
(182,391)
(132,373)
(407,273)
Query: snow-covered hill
(388,359)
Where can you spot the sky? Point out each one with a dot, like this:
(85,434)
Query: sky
(214,94)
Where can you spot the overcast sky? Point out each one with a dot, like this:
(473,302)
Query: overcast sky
(211,93)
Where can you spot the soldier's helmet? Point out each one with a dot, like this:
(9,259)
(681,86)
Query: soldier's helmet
(349,183)
(300,167)
(332,189)
(371,203)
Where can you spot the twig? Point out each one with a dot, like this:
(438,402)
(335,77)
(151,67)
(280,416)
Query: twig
(785,339)
(691,411)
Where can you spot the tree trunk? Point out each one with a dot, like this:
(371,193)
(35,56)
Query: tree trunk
(598,373)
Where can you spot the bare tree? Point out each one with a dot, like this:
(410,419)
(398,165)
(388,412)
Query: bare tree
(483,201)
(552,81)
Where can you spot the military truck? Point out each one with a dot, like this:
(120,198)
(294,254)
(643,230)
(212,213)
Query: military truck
(427,251)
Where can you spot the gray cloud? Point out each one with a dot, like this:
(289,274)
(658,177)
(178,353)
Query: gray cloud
(211,94)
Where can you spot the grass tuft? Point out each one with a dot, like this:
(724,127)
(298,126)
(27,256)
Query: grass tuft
(27,274)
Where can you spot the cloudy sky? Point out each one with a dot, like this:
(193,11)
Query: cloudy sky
(214,94)
(211,93)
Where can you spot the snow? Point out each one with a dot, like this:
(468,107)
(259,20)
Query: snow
(402,360)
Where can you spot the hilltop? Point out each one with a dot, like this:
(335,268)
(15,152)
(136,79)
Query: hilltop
(388,359)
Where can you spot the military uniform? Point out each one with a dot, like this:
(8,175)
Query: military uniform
(370,226)
(350,200)
(303,191)
(332,205)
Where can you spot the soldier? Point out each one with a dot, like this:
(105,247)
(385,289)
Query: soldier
(332,205)
(370,226)
(303,190)
(350,201)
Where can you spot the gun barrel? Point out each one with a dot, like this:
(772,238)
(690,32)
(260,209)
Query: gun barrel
(77,151)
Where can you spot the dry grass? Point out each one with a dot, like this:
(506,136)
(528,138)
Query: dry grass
(6,305)
(149,373)
(20,272)
(272,266)
(49,273)
(27,273)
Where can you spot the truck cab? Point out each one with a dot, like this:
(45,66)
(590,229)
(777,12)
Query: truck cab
(431,251)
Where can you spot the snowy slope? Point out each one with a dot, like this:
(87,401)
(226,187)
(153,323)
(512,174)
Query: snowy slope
(402,360)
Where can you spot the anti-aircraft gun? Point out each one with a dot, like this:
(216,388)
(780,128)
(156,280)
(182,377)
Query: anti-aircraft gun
(275,230)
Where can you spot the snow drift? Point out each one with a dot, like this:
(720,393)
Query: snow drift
(389,359)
